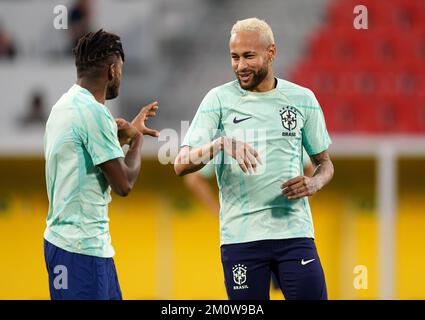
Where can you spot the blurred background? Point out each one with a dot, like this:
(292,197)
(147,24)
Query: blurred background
(370,84)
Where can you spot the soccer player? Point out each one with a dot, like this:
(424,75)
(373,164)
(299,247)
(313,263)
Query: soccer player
(255,128)
(84,160)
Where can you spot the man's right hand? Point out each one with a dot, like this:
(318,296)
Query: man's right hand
(144,114)
(246,156)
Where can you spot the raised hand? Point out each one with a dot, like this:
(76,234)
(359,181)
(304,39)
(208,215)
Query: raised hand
(246,156)
(144,114)
(126,131)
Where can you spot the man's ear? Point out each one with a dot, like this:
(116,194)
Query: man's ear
(272,52)
(111,72)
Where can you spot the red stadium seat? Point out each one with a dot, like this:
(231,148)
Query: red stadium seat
(414,107)
(409,13)
(346,113)
(391,114)
(369,80)
(418,43)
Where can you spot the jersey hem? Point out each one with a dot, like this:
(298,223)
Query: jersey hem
(276,237)
(48,236)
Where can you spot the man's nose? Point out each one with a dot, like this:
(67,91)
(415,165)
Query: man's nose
(242,65)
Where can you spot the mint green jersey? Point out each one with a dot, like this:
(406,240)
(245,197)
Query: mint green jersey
(278,124)
(209,170)
(80,134)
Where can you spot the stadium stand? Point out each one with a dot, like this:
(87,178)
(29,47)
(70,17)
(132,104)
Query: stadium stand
(370,80)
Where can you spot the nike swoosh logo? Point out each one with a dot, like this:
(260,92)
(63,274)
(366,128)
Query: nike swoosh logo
(240,120)
(307,261)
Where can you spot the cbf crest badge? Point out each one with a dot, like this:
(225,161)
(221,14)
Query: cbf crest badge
(288,116)
(239,277)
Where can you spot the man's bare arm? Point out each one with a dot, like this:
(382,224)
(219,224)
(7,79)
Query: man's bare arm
(303,186)
(120,173)
(324,170)
(192,159)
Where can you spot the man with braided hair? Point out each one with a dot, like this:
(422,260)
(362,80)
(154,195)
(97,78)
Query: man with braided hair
(84,160)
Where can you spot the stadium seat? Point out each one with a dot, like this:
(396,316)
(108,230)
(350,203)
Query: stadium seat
(369,80)
(414,107)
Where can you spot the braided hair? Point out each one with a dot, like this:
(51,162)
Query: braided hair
(95,51)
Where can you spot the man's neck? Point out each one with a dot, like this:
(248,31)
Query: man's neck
(98,90)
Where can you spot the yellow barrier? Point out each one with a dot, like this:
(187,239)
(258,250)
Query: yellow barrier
(167,243)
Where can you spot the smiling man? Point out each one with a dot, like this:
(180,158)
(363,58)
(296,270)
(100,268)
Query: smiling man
(265,220)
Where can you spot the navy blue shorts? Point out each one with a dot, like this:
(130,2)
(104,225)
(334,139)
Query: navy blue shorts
(74,276)
(294,262)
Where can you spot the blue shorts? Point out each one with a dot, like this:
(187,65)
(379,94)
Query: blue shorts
(74,276)
(294,262)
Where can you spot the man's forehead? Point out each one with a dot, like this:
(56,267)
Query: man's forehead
(247,40)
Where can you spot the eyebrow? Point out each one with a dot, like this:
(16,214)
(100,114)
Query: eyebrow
(244,53)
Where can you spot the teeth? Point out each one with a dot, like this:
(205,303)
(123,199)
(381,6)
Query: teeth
(244,76)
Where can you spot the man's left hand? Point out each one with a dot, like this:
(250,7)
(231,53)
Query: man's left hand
(299,187)
(126,131)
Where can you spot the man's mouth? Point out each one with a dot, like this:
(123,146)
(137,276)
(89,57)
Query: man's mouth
(245,77)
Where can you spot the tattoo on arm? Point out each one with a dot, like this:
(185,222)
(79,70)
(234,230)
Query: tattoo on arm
(319,158)
(324,168)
